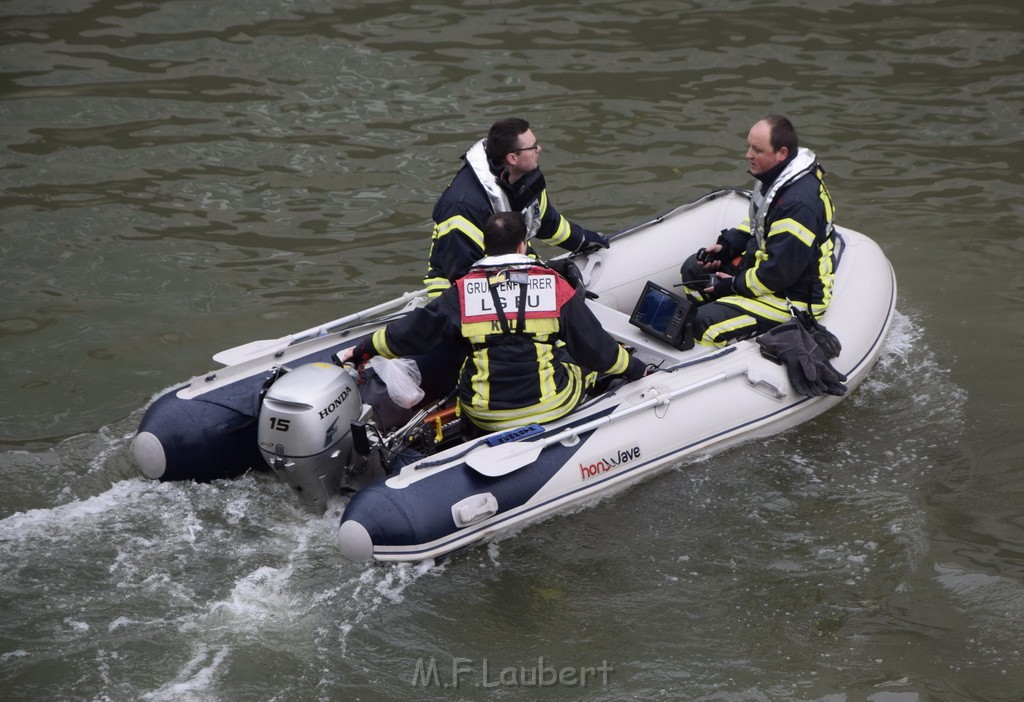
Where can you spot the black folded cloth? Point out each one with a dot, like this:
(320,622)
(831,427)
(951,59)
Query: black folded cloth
(828,341)
(807,364)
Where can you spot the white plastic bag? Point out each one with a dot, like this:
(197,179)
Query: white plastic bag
(402,378)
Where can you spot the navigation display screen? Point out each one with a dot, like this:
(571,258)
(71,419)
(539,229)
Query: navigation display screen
(664,315)
(656,309)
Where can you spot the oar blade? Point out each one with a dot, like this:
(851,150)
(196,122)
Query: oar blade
(251,350)
(262,347)
(495,461)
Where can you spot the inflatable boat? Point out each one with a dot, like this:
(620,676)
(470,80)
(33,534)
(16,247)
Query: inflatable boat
(419,489)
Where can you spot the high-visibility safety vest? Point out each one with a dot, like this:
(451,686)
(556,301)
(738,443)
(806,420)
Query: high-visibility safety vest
(518,368)
(529,340)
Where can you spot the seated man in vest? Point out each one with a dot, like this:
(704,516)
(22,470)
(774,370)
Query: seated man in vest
(529,337)
(781,254)
(501,173)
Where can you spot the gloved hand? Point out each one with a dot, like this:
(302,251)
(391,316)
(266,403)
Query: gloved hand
(806,364)
(566,268)
(594,241)
(722,286)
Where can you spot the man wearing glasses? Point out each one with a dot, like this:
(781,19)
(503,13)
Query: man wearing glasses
(500,174)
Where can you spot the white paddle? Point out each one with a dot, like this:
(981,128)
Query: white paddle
(262,347)
(494,461)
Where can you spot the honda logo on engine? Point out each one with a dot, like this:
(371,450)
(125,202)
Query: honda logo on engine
(326,411)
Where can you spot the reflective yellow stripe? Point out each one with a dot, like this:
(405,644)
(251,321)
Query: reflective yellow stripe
(436,286)
(754,283)
(826,271)
(380,343)
(548,409)
(768,307)
(480,388)
(791,226)
(622,362)
(715,331)
(460,223)
(827,276)
(546,378)
(561,234)
(476,331)
(826,198)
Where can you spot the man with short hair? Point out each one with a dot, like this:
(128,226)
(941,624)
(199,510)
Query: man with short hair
(528,335)
(783,253)
(500,174)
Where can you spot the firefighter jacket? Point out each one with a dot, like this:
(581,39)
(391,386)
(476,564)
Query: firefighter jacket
(528,336)
(476,192)
(787,243)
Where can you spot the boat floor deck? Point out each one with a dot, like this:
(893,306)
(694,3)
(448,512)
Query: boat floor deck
(648,349)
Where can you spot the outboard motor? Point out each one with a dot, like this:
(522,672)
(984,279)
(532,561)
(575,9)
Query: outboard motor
(305,430)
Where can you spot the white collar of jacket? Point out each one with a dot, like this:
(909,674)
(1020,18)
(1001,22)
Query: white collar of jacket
(803,163)
(512,259)
(477,159)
